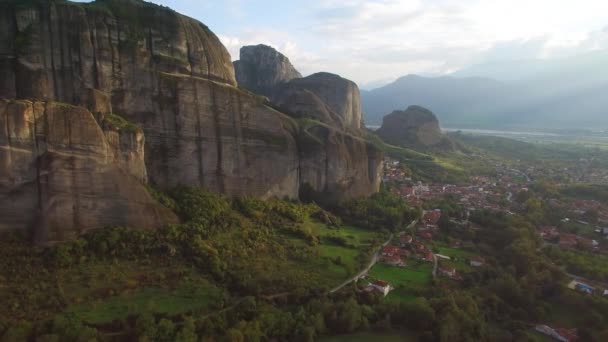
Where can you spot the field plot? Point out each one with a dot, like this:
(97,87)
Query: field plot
(408,282)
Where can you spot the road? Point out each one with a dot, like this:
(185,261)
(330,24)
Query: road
(435,266)
(371,263)
(369,266)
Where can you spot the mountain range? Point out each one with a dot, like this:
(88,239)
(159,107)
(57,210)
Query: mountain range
(535,94)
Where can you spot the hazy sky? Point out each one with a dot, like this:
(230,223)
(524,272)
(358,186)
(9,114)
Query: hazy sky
(369,41)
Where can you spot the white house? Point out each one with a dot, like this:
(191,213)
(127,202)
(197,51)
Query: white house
(382,287)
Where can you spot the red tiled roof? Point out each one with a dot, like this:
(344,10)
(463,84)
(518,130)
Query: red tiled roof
(381,283)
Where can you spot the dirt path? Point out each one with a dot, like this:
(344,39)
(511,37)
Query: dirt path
(371,264)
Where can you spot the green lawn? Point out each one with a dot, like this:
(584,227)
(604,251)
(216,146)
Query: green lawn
(354,236)
(460,257)
(185,299)
(408,282)
(106,291)
(403,295)
(337,262)
(414,274)
(452,252)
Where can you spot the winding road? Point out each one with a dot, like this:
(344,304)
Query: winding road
(372,262)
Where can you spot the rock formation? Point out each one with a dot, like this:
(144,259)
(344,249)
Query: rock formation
(164,71)
(337,164)
(326,97)
(59,175)
(415,127)
(323,96)
(170,75)
(261,69)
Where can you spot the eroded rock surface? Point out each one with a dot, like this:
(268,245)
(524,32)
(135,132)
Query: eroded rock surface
(261,69)
(327,97)
(59,176)
(414,127)
(171,76)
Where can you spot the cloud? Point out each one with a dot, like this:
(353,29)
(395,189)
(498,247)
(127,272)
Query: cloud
(382,39)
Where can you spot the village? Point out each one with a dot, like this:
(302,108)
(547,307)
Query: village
(449,262)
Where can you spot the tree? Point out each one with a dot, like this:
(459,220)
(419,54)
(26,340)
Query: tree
(165,330)
(188,332)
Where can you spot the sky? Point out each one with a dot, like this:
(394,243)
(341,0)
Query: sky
(375,42)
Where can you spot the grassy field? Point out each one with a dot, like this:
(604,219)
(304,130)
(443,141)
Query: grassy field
(337,262)
(105,291)
(408,282)
(413,275)
(186,298)
(459,257)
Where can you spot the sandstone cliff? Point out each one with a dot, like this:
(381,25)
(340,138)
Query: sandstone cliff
(337,164)
(326,97)
(323,96)
(170,75)
(415,127)
(261,69)
(164,71)
(59,175)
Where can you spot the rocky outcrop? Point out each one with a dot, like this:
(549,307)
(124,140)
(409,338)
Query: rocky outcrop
(326,97)
(166,72)
(261,69)
(59,176)
(337,164)
(415,127)
(171,76)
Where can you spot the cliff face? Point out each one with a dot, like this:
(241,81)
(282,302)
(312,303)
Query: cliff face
(171,76)
(324,96)
(414,127)
(59,175)
(338,164)
(261,69)
(162,70)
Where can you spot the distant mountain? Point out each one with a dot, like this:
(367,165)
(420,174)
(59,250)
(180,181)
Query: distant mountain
(454,100)
(593,64)
(567,93)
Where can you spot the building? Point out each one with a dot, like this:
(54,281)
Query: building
(389,251)
(568,241)
(381,286)
(582,287)
(450,273)
(405,240)
(431,216)
(425,236)
(548,232)
(394,260)
(477,262)
(560,334)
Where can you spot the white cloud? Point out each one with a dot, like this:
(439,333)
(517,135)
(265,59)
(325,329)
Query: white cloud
(384,39)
